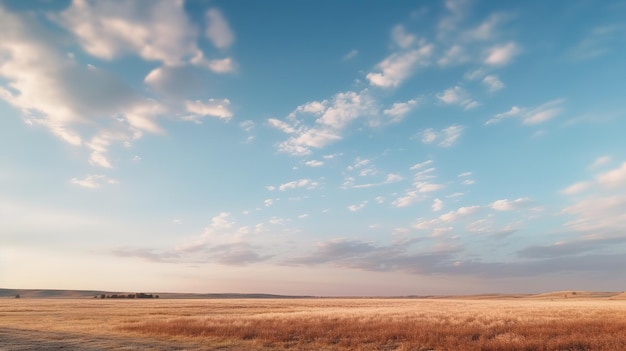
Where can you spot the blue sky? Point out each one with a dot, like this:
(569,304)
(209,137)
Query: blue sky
(324,148)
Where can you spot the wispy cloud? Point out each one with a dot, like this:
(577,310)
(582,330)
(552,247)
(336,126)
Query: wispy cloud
(218,30)
(457,96)
(396,68)
(532,116)
(501,55)
(444,138)
(93,181)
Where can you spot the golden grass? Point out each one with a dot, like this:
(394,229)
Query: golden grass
(333,324)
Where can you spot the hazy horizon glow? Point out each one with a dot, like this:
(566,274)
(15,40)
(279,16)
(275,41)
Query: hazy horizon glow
(313,148)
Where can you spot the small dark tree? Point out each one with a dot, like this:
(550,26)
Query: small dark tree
(103,296)
(17,296)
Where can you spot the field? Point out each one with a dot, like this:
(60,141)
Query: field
(544,322)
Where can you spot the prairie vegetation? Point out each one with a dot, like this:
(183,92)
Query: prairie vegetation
(323,324)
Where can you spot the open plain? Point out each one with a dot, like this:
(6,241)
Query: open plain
(558,321)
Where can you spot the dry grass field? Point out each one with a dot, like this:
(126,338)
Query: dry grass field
(548,322)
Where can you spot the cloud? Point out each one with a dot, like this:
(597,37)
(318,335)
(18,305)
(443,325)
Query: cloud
(461,212)
(175,81)
(213,107)
(502,54)
(268,202)
(224,65)
(399,110)
(598,41)
(231,254)
(533,116)
(218,29)
(357,207)
(570,248)
(401,38)
(457,96)
(314,163)
(576,188)
(409,198)
(247,125)
(366,256)
(464,174)
(393,178)
(300,183)
(493,83)
(613,178)
(352,54)
(598,213)
(454,55)
(396,68)
(332,118)
(600,161)
(93,181)
(488,29)
(154,30)
(446,137)
(421,165)
(509,205)
(437,205)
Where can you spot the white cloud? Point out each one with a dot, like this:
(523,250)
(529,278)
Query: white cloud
(268,202)
(314,163)
(300,183)
(533,116)
(487,30)
(613,178)
(468,182)
(218,30)
(509,205)
(514,111)
(393,178)
(408,199)
(380,199)
(93,181)
(224,65)
(399,110)
(357,207)
(333,118)
(425,187)
(576,188)
(399,66)
(454,55)
(401,38)
(154,30)
(213,107)
(429,135)
(437,205)
(600,161)
(446,137)
(461,212)
(493,83)
(605,214)
(421,165)
(67,98)
(502,54)
(457,96)
(464,174)
(175,81)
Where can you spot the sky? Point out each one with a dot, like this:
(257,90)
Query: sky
(336,148)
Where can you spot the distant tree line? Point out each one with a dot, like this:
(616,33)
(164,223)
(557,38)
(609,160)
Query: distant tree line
(129,296)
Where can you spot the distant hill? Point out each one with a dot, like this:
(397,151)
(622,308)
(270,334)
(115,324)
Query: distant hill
(79,294)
